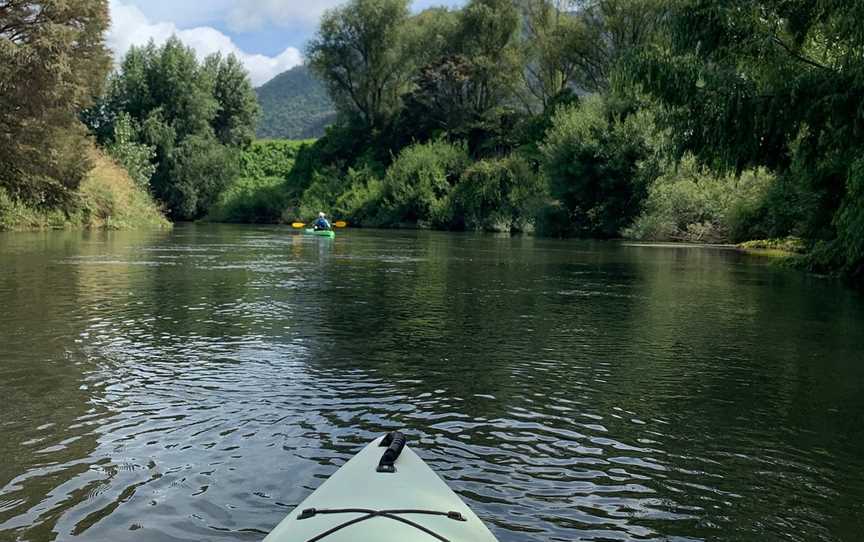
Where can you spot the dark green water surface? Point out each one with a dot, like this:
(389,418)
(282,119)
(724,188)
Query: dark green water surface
(198,384)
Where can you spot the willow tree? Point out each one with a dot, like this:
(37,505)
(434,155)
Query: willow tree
(554,44)
(776,83)
(53,63)
(360,54)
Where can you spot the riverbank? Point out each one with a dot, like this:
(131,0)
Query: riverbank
(107,199)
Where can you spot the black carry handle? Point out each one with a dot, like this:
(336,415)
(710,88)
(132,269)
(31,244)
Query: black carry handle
(395,442)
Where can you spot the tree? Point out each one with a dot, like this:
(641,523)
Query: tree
(238,105)
(487,40)
(57,48)
(137,158)
(775,83)
(607,32)
(359,53)
(470,85)
(191,115)
(554,45)
(594,161)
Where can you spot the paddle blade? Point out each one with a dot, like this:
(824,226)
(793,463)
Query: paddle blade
(297,225)
(340,224)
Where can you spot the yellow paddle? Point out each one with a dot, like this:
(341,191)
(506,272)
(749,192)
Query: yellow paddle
(337,224)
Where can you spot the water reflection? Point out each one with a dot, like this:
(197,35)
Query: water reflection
(200,383)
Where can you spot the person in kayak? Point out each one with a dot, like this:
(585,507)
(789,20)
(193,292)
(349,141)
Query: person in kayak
(321,223)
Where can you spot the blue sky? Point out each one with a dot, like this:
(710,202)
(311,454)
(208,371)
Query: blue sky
(267,35)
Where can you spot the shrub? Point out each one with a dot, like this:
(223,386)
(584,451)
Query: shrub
(498,195)
(690,203)
(250,200)
(201,169)
(359,202)
(261,192)
(418,184)
(594,161)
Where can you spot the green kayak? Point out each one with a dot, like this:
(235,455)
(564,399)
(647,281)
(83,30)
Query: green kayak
(385,493)
(322,233)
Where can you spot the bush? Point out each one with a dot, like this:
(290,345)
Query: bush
(325,188)
(250,200)
(201,169)
(359,202)
(690,203)
(354,197)
(261,192)
(418,184)
(271,157)
(595,162)
(498,195)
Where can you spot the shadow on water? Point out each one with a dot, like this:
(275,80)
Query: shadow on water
(200,383)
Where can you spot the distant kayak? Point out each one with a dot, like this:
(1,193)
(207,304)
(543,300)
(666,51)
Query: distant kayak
(323,233)
(385,493)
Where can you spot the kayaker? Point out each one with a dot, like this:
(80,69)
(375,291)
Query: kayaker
(321,223)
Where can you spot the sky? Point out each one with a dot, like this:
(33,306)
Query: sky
(267,35)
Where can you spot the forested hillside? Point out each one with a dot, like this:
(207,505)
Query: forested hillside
(294,105)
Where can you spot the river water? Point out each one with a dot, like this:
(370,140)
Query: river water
(197,384)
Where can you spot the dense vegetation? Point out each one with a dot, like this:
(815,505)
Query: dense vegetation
(688,120)
(188,119)
(52,63)
(294,105)
(260,192)
(684,120)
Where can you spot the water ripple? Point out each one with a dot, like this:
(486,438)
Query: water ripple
(199,384)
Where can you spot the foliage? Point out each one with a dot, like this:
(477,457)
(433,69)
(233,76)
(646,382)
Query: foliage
(258,193)
(597,165)
(773,83)
(358,53)
(107,198)
(250,200)
(294,105)
(53,62)
(271,157)
(136,158)
(194,115)
(498,195)
(201,168)
(691,203)
(237,115)
(418,184)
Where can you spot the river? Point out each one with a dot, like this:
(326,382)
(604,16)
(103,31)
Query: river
(197,384)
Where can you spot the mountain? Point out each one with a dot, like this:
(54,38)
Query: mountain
(294,105)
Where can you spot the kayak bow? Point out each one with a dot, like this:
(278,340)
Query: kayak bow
(385,493)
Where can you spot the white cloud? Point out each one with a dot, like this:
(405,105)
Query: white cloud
(246,16)
(129,26)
